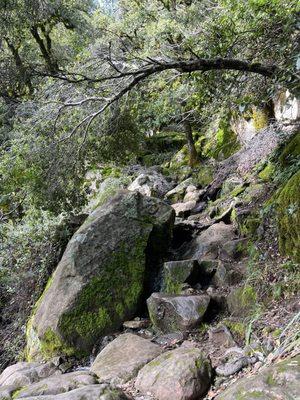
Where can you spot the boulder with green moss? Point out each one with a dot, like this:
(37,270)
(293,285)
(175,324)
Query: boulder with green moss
(175,273)
(101,278)
(106,190)
(288,217)
(223,141)
(279,381)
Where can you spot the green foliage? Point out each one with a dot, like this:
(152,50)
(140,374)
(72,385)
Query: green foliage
(31,245)
(260,119)
(29,251)
(39,35)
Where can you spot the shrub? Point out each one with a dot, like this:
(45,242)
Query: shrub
(29,252)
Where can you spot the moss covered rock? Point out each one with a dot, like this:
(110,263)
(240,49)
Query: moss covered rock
(100,280)
(223,141)
(106,190)
(288,217)
(267,173)
(175,273)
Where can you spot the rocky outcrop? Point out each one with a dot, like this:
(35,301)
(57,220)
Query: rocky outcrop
(181,374)
(38,381)
(171,313)
(177,194)
(280,381)
(121,359)
(100,280)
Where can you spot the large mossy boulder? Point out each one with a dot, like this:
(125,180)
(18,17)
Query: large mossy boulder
(288,217)
(102,277)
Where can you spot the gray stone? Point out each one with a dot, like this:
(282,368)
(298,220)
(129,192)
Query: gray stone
(121,359)
(184,209)
(177,194)
(279,381)
(151,184)
(181,374)
(24,373)
(136,324)
(91,392)
(220,278)
(209,243)
(169,339)
(175,273)
(192,194)
(171,313)
(221,336)
(234,249)
(6,392)
(58,384)
(234,366)
(86,298)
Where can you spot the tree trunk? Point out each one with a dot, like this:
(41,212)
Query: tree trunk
(25,77)
(46,51)
(193,155)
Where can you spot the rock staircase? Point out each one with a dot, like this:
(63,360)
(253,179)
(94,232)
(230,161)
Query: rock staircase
(169,358)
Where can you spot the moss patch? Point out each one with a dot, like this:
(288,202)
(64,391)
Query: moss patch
(107,299)
(51,345)
(237,328)
(223,142)
(267,173)
(288,217)
(205,175)
(260,118)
